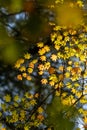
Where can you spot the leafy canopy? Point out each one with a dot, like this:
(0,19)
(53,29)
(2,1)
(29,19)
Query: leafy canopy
(58,71)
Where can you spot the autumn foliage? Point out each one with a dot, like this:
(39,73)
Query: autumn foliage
(57,71)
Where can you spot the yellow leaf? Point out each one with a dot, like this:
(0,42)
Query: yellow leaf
(3,129)
(7,98)
(69,14)
(27,56)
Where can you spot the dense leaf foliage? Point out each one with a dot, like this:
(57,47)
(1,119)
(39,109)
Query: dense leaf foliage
(52,72)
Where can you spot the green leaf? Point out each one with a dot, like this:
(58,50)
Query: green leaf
(56,117)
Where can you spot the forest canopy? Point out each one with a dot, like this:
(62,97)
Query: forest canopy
(43,65)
